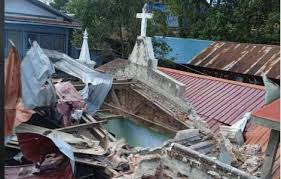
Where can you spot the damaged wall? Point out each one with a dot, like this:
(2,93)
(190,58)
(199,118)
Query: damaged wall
(131,103)
(181,162)
(143,67)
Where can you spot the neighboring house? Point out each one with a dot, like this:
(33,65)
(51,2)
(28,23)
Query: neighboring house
(241,58)
(231,60)
(172,21)
(34,20)
(183,50)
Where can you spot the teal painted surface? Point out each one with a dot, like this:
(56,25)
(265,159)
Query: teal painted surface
(135,134)
(184,50)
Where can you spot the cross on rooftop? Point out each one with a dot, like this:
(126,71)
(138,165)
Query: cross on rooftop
(144,16)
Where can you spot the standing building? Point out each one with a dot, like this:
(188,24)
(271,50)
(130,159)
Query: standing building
(34,20)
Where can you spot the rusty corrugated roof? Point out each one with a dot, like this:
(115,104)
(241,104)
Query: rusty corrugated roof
(112,65)
(218,101)
(12,85)
(260,135)
(252,59)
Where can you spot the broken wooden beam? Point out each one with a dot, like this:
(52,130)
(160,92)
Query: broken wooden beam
(165,128)
(81,126)
(99,131)
(110,117)
(162,107)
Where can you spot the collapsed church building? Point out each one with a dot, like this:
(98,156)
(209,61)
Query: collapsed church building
(132,119)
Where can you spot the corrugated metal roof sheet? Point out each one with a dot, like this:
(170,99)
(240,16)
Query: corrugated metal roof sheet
(260,135)
(218,101)
(35,20)
(184,50)
(252,59)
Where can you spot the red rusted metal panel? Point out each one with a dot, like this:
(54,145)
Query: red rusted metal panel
(41,151)
(252,59)
(269,112)
(34,146)
(218,101)
(12,88)
(260,135)
(112,65)
(15,112)
(224,102)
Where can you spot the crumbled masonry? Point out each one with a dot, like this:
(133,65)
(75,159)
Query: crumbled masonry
(66,135)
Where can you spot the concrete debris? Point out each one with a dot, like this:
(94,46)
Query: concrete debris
(227,154)
(178,161)
(235,135)
(119,155)
(250,158)
(250,150)
(186,134)
(247,157)
(50,145)
(148,167)
(235,132)
(252,164)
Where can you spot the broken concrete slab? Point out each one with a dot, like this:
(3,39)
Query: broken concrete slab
(186,134)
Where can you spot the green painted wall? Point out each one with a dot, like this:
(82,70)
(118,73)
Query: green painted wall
(135,134)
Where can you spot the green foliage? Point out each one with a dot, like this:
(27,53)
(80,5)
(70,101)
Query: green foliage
(250,21)
(113,19)
(59,4)
(161,48)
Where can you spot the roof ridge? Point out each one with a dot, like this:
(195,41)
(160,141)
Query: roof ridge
(242,43)
(51,9)
(214,78)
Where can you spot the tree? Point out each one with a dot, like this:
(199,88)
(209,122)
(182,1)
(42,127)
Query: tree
(59,4)
(113,21)
(254,21)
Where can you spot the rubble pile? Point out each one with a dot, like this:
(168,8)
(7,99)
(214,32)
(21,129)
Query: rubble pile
(51,124)
(34,96)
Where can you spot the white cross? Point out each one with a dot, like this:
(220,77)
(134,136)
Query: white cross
(144,16)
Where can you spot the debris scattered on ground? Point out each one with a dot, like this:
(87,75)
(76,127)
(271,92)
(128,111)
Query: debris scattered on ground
(77,136)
